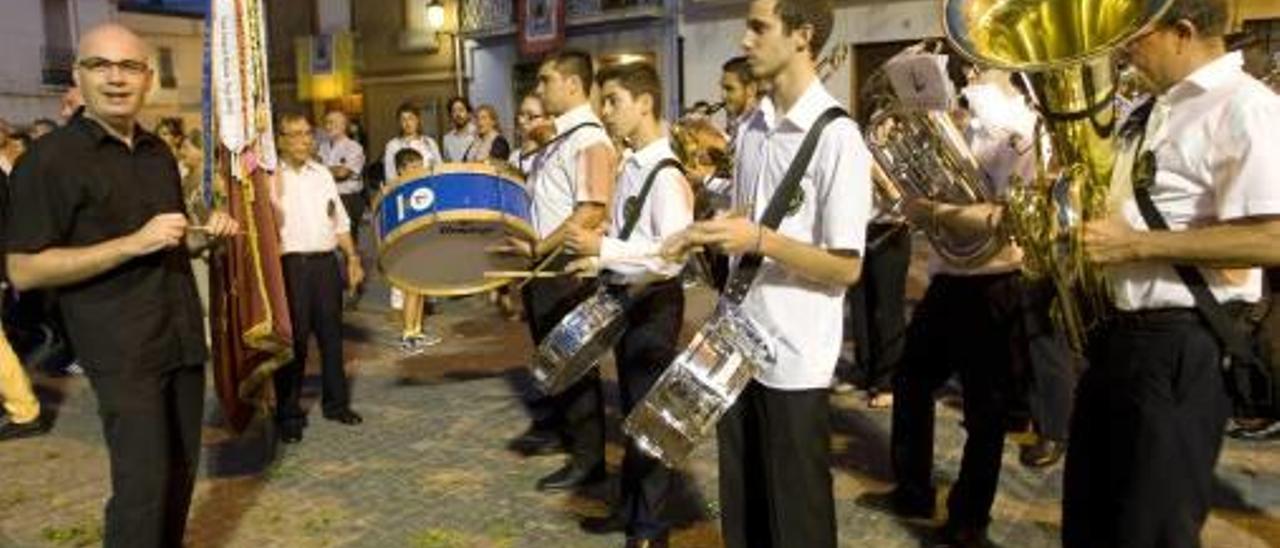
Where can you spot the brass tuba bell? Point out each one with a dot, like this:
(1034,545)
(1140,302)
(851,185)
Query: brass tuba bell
(1066,48)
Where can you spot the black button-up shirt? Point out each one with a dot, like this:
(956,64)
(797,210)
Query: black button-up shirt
(80,186)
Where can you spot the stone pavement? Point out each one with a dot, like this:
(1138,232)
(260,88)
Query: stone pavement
(428,469)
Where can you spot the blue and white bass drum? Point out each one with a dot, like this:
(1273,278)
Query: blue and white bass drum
(434,228)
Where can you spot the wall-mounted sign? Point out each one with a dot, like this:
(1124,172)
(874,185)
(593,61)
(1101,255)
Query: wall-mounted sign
(541,26)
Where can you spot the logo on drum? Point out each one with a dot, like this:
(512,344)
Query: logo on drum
(421,199)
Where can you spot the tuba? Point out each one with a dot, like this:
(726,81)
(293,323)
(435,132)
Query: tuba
(1066,49)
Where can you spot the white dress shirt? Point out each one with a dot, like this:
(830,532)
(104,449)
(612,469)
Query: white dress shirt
(456,142)
(803,319)
(312,210)
(347,153)
(1217,151)
(1001,136)
(667,210)
(425,146)
(558,180)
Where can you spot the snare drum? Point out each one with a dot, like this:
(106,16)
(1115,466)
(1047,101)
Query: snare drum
(575,345)
(434,230)
(684,405)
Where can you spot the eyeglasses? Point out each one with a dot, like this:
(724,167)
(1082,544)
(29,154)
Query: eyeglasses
(295,133)
(102,67)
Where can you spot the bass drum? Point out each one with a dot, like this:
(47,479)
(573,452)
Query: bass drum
(434,229)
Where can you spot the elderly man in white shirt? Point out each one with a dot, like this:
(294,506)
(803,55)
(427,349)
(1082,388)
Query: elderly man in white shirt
(775,478)
(314,225)
(652,201)
(1151,409)
(570,186)
(344,158)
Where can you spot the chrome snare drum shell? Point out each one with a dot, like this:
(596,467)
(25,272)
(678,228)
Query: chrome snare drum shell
(575,345)
(684,405)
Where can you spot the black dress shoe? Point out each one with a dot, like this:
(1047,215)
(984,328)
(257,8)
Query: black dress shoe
(954,536)
(571,476)
(660,542)
(290,433)
(346,416)
(10,430)
(536,442)
(612,523)
(1041,454)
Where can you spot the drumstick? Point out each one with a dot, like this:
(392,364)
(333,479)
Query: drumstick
(540,267)
(520,274)
(205,229)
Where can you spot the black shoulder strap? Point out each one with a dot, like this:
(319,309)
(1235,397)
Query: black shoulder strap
(749,265)
(1235,343)
(631,211)
(558,138)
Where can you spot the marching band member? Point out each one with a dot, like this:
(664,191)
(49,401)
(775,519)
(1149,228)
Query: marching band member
(965,324)
(774,443)
(570,187)
(651,201)
(1151,409)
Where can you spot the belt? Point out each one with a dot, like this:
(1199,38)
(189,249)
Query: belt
(308,255)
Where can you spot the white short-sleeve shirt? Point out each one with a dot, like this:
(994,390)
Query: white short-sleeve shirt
(557,181)
(313,215)
(668,209)
(346,153)
(1217,159)
(803,319)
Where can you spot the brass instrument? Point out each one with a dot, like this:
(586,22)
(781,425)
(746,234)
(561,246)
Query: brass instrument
(1066,48)
(921,154)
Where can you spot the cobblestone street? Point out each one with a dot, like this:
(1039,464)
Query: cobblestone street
(428,467)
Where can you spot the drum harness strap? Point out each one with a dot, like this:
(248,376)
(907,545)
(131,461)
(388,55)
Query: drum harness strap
(749,266)
(557,139)
(631,211)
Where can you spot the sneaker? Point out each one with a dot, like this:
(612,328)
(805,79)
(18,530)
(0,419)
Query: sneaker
(412,344)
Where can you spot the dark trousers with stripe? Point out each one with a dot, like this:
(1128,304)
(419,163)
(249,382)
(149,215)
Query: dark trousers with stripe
(1147,430)
(151,422)
(775,470)
(646,349)
(313,284)
(577,414)
(963,325)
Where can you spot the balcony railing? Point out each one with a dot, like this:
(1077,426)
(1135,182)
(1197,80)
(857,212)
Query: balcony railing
(496,17)
(56,64)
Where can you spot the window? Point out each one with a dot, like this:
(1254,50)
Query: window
(168,80)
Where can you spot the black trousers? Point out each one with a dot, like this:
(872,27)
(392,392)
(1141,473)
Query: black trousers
(313,285)
(775,470)
(964,324)
(1047,377)
(877,306)
(353,202)
(647,347)
(1149,418)
(577,414)
(151,422)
